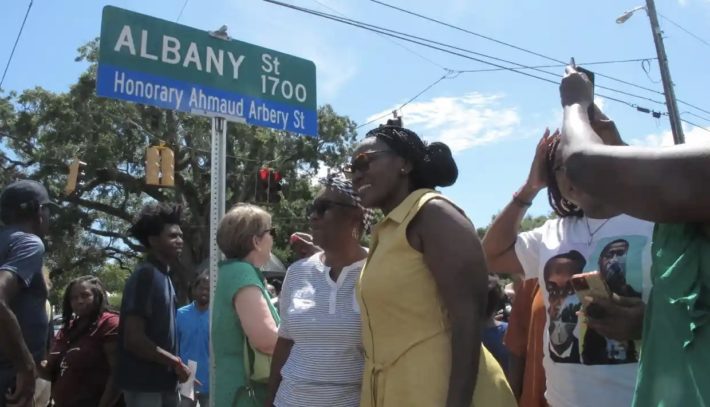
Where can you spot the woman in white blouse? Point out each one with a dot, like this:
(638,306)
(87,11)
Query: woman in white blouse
(318,359)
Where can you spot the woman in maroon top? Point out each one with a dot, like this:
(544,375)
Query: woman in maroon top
(81,362)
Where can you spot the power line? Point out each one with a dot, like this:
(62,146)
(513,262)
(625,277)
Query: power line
(384,31)
(699,117)
(696,125)
(408,49)
(412,99)
(181,10)
(525,50)
(557,65)
(449,76)
(404,37)
(685,30)
(12,53)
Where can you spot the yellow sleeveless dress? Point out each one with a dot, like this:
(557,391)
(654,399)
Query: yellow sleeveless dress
(406,335)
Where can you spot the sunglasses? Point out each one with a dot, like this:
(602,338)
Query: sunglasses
(361,162)
(321,206)
(271,231)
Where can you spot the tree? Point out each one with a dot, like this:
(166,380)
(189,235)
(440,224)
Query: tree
(41,131)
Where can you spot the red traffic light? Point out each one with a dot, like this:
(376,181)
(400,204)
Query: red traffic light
(264,174)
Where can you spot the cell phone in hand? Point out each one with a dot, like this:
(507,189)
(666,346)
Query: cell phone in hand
(590,284)
(590,76)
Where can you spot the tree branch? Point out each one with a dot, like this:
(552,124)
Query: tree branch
(98,206)
(124,238)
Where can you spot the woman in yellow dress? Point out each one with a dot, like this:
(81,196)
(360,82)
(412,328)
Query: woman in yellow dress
(423,290)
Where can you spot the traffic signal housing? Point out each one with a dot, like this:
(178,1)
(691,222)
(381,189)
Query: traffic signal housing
(160,166)
(75,176)
(269,185)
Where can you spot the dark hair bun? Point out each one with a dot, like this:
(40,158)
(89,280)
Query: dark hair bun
(439,168)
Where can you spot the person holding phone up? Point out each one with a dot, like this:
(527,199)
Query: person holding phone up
(579,372)
(668,186)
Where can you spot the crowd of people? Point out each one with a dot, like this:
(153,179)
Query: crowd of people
(411,319)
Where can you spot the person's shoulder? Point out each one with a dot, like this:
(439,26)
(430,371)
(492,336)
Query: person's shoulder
(186,309)
(307,264)
(229,266)
(109,318)
(237,273)
(145,270)
(26,240)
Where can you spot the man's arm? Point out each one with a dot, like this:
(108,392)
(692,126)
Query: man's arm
(137,342)
(137,308)
(12,343)
(657,184)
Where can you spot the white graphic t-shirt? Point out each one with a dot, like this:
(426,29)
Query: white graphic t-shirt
(582,367)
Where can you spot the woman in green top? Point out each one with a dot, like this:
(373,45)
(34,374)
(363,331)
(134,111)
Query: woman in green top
(670,187)
(241,308)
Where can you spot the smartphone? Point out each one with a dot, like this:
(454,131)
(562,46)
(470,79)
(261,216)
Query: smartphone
(590,76)
(590,284)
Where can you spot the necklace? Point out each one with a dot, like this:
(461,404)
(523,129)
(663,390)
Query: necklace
(589,229)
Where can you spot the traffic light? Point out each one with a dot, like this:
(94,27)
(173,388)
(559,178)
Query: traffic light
(269,185)
(76,174)
(160,166)
(167,167)
(152,166)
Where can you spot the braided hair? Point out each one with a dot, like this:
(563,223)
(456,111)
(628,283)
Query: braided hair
(432,164)
(100,304)
(562,207)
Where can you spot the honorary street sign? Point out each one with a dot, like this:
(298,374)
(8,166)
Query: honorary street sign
(147,60)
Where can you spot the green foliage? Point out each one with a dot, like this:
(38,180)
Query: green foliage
(42,131)
(114,300)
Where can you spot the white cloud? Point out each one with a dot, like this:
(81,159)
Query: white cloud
(693,135)
(462,122)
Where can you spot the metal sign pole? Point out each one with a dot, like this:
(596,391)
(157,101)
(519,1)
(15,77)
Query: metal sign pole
(217,201)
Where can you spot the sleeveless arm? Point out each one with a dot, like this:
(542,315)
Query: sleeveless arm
(453,255)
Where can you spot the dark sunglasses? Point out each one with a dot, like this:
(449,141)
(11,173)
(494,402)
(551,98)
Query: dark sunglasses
(321,206)
(361,162)
(271,231)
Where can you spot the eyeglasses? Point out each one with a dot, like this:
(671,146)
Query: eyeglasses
(271,231)
(321,206)
(361,162)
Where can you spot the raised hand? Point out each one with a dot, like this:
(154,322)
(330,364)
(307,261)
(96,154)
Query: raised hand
(576,88)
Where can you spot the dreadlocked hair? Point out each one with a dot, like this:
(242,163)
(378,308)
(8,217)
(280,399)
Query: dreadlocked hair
(432,164)
(101,305)
(562,207)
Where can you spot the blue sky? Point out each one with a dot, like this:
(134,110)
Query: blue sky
(491,119)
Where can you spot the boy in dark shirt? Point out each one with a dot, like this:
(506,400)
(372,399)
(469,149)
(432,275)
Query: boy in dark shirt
(148,368)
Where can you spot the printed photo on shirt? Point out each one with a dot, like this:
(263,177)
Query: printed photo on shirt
(619,261)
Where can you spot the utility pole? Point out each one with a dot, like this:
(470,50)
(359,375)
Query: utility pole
(673,115)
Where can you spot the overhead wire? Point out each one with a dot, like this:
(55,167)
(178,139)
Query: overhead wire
(455,27)
(395,34)
(384,31)
(697,37)
(408,49)
(695,124)
(181,11)
(410,100)
(620,61)
(19,34)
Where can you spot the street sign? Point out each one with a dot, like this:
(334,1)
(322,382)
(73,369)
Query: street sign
(147,60)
